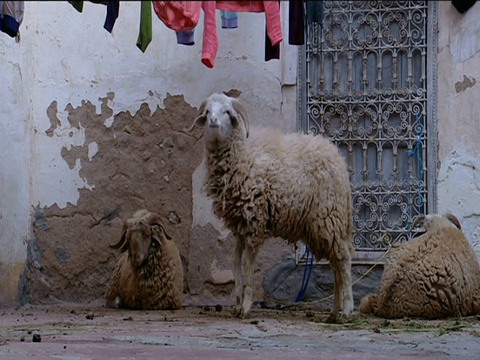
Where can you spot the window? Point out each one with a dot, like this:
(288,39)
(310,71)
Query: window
(367,84)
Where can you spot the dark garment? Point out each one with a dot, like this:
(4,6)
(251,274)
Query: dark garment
(11,16)
(78,5)
(9,25)
(301,11)
(463,5)
(271,52)
(296,27)
(112,15)
(112,11)
(314,12)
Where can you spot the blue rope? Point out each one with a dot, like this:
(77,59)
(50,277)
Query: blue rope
(306,277)
(418,151)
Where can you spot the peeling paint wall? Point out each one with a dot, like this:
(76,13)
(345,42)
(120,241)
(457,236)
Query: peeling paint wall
(459,117)
(92,130)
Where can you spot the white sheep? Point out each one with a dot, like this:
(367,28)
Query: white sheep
(434,275)
(149,273)
(293,186)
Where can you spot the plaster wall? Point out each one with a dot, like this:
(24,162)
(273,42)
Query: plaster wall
(458,117)
(16,77)
(70,93)
(91,127)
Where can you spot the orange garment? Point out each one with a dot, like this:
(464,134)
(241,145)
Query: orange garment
(210,38)
(178,15)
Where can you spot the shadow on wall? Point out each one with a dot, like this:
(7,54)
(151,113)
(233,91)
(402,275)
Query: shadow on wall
(143,161)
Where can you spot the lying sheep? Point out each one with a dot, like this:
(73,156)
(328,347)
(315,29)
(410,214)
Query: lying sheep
(273,185)
(149,273)
(432,276)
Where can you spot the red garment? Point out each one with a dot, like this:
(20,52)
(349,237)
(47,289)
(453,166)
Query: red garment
(210,38)
(178,15)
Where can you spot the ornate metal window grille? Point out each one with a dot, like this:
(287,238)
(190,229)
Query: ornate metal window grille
(366,83)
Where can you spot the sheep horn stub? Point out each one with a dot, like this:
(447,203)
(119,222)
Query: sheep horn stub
(155,219)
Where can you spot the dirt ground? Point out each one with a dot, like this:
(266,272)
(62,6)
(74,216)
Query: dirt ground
(93,332)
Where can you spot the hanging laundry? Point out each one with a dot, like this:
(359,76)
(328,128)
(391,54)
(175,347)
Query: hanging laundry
(210,38)
(178,15)
(229,19)
(271,51)
(298,11)
(314,12)
(296,25)
(112,15)
(186,37)
(78,5)
(463,5)
(112,11)
(145,34)
(11,17)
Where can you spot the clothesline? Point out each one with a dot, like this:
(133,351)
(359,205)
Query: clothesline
(183,16)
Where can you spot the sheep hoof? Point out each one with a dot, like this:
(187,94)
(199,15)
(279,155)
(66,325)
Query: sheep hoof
(341,318)
(238,312)
(331,319)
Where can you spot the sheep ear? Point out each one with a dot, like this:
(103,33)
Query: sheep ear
(201,118)
(420,219)
(237,105)
(453,219)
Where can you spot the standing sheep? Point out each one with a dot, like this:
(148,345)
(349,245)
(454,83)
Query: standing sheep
(432,276)
(273,185)
(149,273)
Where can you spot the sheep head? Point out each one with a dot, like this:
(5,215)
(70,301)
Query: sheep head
(427,222)
(220,115)
(137,236)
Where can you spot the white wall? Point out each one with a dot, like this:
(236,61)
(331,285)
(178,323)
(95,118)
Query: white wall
(67,57)
(459,117)
(16,78)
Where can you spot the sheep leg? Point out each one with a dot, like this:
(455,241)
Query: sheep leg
(345,270)
(250,254)
(337,292)
(237,268)
(342,296)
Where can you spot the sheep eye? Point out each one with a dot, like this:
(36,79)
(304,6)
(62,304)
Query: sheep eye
(228,113)
(207,112)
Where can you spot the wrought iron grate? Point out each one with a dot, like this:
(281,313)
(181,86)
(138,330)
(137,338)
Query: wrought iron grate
(365,88)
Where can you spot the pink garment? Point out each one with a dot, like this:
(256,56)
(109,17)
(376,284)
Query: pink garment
(178,15)
(210,38)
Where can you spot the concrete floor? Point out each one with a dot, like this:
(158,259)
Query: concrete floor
(79,332)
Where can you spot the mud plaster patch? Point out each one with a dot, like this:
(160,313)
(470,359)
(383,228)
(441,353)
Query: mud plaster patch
(465,84)
(132,169)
